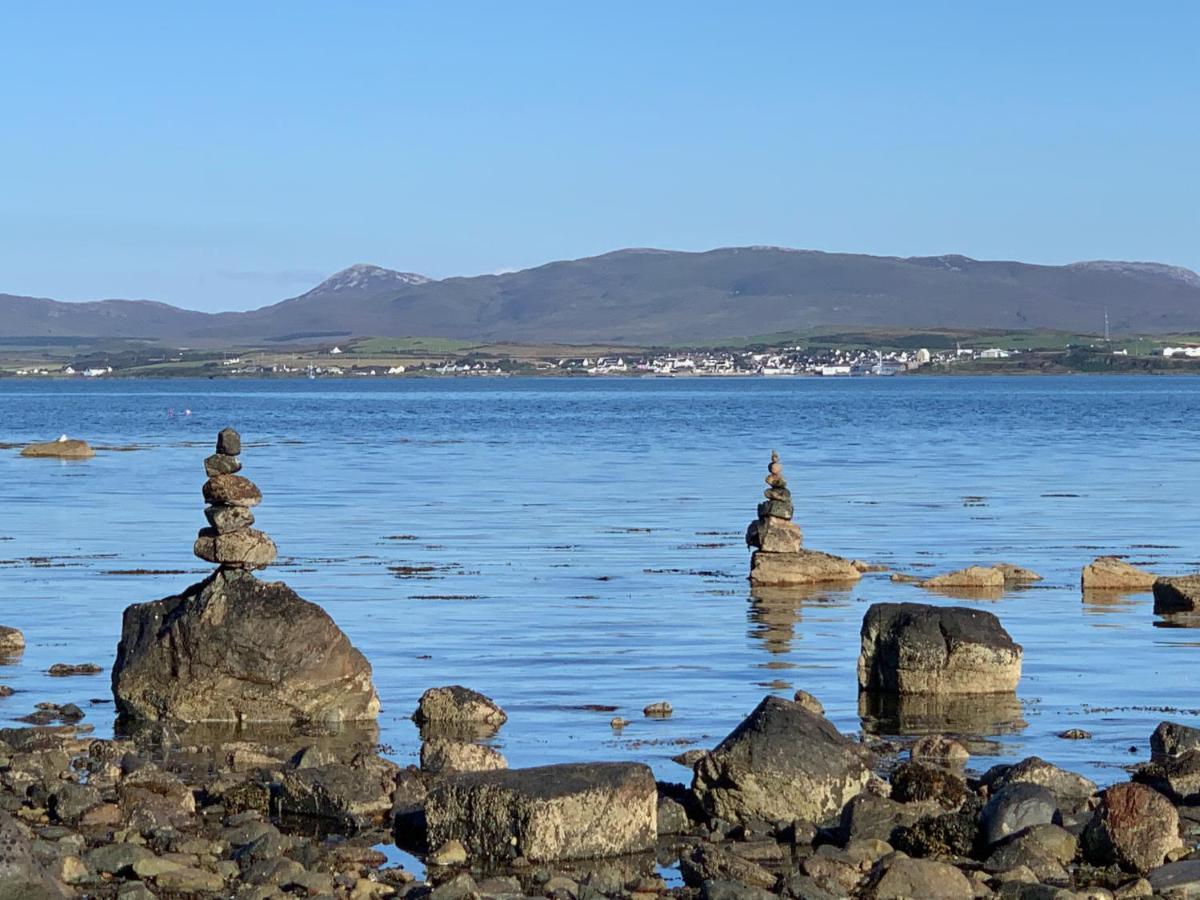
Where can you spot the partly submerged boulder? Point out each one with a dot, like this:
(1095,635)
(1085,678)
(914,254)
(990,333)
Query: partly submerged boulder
(913,648)
(970,577)
(457,713)
(236,649)
(1108,573)
(1172,595)
(801,567)
(1017,575)
(574,811)
(63,448)
(12,641)
(781,763)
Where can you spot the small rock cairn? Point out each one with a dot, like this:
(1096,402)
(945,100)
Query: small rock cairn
(229,540)
(774,531)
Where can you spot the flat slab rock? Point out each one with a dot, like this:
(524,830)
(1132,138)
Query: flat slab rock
(573,811)
(236,649)
(1108,573)
(914,648)
(802,567)
(781,763)
(68,449)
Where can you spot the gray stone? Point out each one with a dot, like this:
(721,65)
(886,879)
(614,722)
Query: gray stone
(1071,791)
(224,519)
(901,878)
(783,762)
(221,464)
(12,641)
(672,817)
(913,648)
(868,817)
(344,793)
(1173,739)
(233,648)
(229,442)
(244,548)
(70,801)
(1015,808)
(1178,879)
(575,811)
(457,712)
(775,509)
(21,878)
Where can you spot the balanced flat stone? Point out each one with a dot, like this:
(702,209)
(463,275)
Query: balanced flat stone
(1134,827)
(228,518)
(244,548)
(781,763)
(236,649)
(913,648)
(221,464)
(573,811)
(1172,595)
(231,490)
(63,448)
(229,442)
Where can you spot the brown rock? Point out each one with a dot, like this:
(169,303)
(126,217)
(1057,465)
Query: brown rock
(1135,827)
(231,490)
(229,442)
(1017,574)
(803,567)
(12,641)
(970,577)
(1107,573)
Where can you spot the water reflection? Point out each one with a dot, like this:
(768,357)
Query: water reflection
(970,717)
(966,593)
(775,612)
(1097,602)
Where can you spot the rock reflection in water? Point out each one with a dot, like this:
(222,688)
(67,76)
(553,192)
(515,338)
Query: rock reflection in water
(971,717)
(1098,602)
(223,745)
(966,593)
(775,612)
(608,876)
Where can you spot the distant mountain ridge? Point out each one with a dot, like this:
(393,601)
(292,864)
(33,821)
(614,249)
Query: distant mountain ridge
(647,296)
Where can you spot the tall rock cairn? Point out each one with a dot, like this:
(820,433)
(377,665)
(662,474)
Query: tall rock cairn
(774,531)
(229,540)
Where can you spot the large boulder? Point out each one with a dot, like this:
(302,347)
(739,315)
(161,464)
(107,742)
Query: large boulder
(1109,573)
(63,448)
(783,762)
(574,811)
(236,649)
(1172,595)
(801,567)
(1135,827)
(912,648)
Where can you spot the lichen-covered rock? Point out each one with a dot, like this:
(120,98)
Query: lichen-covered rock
(1172,595)
(346,793)
(781,763)
(244,548)
(231,490)
(1108,573)
(1134,827)
(444,755)
(575,811)
(61,449)
(913,648)
(21,878)
(236,649)
(775,535)
(802,567)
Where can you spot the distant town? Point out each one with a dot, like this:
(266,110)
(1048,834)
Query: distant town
(415,357)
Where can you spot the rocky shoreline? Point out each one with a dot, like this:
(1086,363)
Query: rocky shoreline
(247,764)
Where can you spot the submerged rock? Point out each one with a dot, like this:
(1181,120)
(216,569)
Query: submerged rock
(1172,595)
(912,648)
(782,763)
(1108,573)
(970,577)
(574,811)
(63,448)
(233,648)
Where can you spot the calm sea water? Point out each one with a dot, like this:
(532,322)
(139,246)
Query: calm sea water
(558,544)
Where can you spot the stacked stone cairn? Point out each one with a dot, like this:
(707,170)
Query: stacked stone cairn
(229,540)
(774,531)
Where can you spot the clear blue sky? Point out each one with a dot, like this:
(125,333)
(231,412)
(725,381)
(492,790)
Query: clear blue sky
(226,155)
